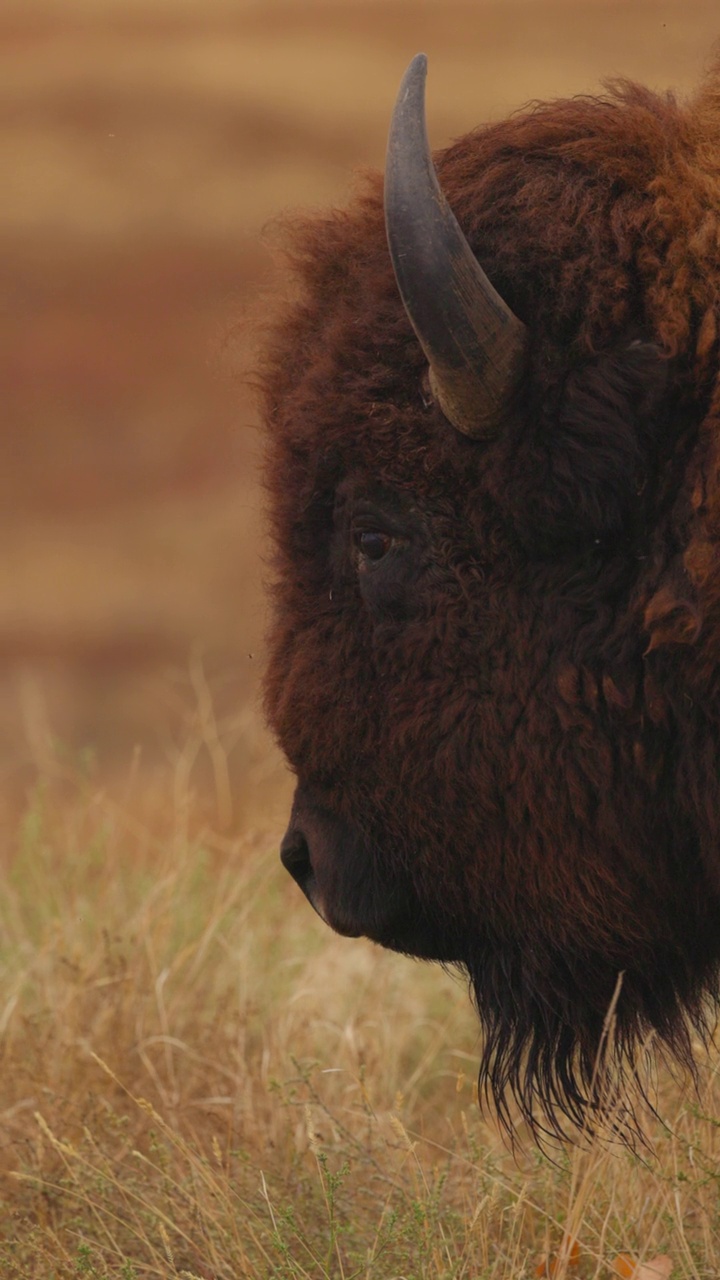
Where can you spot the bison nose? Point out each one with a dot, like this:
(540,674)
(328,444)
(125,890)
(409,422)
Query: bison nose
(295,857)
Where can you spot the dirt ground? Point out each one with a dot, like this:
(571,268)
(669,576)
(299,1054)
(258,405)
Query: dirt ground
(144,147)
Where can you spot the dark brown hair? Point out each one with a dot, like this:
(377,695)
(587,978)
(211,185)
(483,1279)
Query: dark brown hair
(528,744)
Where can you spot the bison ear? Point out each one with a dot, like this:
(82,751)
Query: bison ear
(585,469)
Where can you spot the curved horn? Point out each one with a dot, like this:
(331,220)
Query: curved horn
(474,343)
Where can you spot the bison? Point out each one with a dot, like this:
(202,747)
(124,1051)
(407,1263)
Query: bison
(493,415)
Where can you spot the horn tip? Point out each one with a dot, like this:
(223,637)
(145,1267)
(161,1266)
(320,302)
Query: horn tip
(412,87)
(418,66)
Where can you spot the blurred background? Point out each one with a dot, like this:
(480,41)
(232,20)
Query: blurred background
(144,147)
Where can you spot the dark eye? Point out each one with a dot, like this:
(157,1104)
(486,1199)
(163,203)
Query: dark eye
(371,544)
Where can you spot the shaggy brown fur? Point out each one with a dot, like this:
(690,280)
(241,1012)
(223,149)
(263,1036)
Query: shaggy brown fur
(505,730)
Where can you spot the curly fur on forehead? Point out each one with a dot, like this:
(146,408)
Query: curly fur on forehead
(520,735)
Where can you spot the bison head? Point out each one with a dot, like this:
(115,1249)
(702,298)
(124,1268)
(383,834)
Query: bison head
(493,474)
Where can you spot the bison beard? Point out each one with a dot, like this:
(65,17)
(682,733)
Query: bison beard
(494,653)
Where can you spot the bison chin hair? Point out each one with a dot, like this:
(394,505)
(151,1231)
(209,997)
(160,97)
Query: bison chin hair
(576,1064)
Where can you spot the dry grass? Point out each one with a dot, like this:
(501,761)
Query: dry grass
(199,1079)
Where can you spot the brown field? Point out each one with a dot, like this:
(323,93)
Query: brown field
(182,1086)
(144,148)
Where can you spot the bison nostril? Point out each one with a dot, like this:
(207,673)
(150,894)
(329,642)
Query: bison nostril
(295,856)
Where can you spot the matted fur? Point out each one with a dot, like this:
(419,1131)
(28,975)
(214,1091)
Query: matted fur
(525,743)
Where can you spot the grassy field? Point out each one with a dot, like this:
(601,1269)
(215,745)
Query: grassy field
(198,1079)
